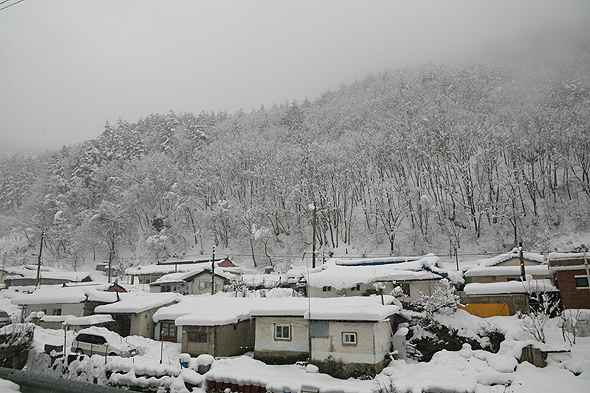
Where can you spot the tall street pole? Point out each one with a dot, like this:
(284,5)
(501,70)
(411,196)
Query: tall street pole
(313,247)
(213,273)
(38,282)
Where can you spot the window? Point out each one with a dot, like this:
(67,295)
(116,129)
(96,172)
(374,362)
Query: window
(154,277)
(581,281)
(282,332)
(357,287)
(197,337)
(56,311)
(165,288)
(319,329)
(327,289)
(349,338)
(405,286)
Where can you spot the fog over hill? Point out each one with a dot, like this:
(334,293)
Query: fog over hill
(442,158)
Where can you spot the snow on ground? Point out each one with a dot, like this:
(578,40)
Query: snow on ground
(467,370)
(8,386)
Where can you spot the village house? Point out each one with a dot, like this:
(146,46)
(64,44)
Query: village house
(194,282)
(134,312)
(571,274)
(349,337)
(404,277)
(506,267)
(3,274)
(145,275)
(506,298)
(26,275)
(50,305)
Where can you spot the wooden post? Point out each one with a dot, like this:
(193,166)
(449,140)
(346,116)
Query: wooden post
(213,273)
(38,282)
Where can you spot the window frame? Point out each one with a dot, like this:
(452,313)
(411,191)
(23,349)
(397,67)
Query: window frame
(199,337)
(585,277)
(282,326)
(348,342)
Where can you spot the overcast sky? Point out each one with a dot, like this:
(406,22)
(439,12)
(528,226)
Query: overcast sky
(67,66)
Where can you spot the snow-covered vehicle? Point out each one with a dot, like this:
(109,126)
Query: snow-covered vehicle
(4,318)
(101,341)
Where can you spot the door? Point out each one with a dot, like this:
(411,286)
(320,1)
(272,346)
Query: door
(168,331)
(124,324)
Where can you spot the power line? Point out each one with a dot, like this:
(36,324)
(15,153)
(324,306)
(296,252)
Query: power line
(10,5)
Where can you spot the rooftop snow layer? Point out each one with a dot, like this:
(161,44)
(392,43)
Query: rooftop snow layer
(498,259)
(221,310)
(341,276)
(497,288)
(567,255)
(478,271)
(138,303)
(88,320)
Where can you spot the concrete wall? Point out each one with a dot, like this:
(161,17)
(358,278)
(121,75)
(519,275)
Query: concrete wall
(273,351)
(142,324)
(76,309)
(227,340)
(571,296)
(416,286)
(196,288)
(373,343)
(489,279)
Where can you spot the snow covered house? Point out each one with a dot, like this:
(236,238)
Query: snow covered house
(62,301)
(571,274)
(26,275)
(506,267)
(150,273)
(134,312)
(505,298)
(194,282)
(361,277)
(349,337)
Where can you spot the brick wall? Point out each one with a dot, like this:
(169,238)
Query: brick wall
(570,295)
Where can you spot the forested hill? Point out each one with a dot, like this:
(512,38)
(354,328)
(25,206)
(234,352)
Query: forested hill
(434,158)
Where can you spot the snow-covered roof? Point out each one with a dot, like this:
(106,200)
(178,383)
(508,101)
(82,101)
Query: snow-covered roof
(58,294)
(500,288)
(52,294)
(30,271)
(166,269)
(138,303)
(220,309)
(375,261)
(499,259)
(88,320)
(183,276)
(479,271)
(567,255)
(340,275)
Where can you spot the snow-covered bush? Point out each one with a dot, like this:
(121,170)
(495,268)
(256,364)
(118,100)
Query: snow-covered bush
(534,322)
(442,298)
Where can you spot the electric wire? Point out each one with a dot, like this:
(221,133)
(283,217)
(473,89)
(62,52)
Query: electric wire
(10,5)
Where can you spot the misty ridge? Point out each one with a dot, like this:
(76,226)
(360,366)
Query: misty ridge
(437,158)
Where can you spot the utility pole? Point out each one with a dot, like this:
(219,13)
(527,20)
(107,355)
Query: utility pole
(586,265)
(522,272)
(213,273)
(313,247)
(38,282)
